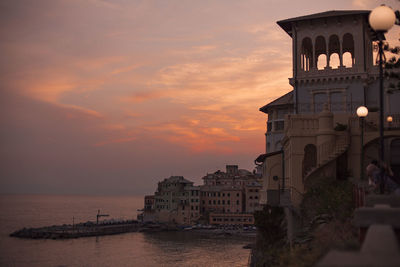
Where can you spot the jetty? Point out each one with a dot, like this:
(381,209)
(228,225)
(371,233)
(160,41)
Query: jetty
(88,229)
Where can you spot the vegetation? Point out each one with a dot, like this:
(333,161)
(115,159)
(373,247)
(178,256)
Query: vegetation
(325,223)
(340,127)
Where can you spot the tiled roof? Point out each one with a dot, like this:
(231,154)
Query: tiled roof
(286,99)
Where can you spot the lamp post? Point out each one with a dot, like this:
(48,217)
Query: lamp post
(389,119)
(381,19)
(362,112)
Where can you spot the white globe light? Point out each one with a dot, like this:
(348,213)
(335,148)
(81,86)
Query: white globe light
(362,112)
(389,119)
(382,18)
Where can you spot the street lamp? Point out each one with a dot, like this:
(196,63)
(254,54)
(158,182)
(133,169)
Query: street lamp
(389,119)
(362,112)
(381,19)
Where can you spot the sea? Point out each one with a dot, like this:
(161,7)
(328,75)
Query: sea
(184,248)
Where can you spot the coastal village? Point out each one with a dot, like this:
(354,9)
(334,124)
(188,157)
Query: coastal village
(225,198)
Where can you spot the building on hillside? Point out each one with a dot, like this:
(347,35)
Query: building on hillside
(313,131)
(233,194)
(177,200)
(232,177)
(235,191)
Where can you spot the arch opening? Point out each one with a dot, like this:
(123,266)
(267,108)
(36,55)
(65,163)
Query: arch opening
(320,52)
(348,50)
(306,54)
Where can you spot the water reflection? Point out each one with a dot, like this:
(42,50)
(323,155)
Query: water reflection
(130,249)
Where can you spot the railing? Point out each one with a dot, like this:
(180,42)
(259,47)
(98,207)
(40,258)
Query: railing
(330,149)
(335,107)
(372,122)
(302,123)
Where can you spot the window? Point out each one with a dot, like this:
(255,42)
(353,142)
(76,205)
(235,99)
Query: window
(279,125)
(229,194)
(237,202)
(237,194)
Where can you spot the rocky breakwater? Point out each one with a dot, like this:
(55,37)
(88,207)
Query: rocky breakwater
(78,230)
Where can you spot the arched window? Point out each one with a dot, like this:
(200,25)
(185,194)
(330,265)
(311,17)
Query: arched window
(306,54)
(348,50)
(334,61)
(322,62)
(334,48)
(347,60)
(320,52)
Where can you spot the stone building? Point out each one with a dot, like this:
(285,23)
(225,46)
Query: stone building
(230,197)
(313,131)
(177,200)
(233,194)
(222,199)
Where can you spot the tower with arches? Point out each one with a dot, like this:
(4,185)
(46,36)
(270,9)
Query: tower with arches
(333,74)
(332,61)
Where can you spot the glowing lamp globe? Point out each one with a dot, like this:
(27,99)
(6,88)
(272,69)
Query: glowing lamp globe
(389,119)
(362,112)
(382,18)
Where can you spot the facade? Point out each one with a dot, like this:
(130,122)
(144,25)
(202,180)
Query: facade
(230,197)
(233,194)
(333,74)
(252,196)
(177,200)
(149,202)
(276,111)
(222,199)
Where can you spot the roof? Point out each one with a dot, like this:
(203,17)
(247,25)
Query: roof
(261,158)
(286,99)
(286,24)
(177,179)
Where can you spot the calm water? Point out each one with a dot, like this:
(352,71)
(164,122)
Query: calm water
(130,249)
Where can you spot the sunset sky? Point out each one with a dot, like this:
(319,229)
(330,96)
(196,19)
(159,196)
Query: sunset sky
(109,97)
